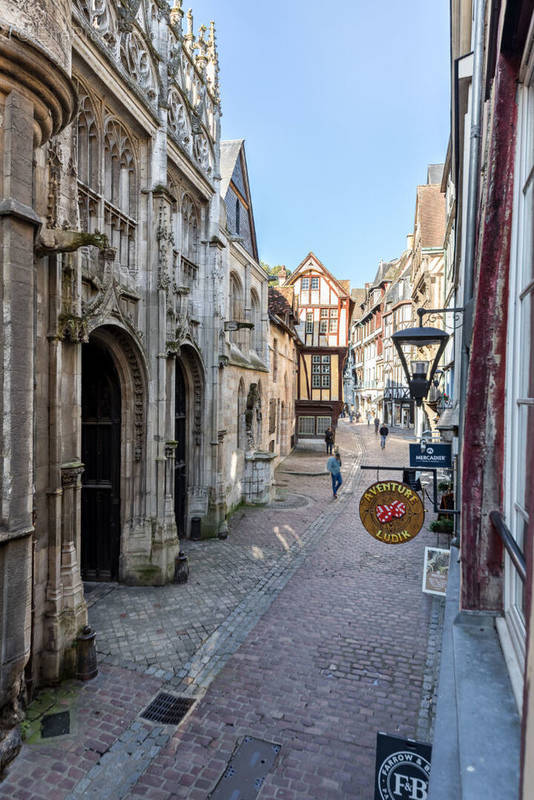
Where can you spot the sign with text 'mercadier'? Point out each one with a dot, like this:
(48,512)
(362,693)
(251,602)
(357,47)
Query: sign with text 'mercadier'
(391,512)
(433,456)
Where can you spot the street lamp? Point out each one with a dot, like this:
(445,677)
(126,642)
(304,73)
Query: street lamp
(420,376)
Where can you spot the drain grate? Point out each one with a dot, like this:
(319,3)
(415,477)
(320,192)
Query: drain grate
(246,771)
(55,725)
(168,709)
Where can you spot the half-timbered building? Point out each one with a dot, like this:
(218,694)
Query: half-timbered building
(325,308)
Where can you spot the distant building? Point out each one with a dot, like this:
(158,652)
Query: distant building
(325,308)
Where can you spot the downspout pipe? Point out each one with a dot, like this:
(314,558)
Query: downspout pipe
(471,212)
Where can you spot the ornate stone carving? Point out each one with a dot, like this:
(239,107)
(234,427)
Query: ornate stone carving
(73,328)
(54,183)
(71,474)
(137,63)
(139,394)
(127,12)
(178,120)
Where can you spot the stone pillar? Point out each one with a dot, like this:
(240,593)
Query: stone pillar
(18,222)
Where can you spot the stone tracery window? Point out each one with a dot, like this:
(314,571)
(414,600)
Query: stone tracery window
(88,168)
(120,192)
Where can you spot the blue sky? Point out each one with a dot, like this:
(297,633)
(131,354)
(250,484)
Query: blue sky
(342,106)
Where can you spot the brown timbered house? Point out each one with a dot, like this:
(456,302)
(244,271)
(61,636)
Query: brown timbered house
(325,308)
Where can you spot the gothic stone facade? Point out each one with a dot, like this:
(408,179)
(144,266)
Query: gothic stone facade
(114,269)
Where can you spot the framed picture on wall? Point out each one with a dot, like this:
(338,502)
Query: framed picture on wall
(436,570)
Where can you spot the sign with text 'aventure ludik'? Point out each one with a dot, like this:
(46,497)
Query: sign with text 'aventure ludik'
(402,768)
(434,456)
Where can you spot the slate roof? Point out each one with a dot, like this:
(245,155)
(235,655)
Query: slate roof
(229,155)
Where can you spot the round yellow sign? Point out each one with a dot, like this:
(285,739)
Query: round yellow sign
(392,512)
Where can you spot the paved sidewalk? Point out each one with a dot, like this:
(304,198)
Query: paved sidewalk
(300,629)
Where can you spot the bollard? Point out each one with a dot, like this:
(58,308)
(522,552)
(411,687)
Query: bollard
(86,666)
(181,568)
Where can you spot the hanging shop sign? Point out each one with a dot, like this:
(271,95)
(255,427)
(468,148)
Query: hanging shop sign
(391,512)
(402,768)
(433,456)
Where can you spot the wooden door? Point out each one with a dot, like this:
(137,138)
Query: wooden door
(101,453)
(180,432)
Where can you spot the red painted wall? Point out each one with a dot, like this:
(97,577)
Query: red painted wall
(483,446)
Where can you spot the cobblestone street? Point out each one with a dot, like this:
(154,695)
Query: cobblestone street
(300,629)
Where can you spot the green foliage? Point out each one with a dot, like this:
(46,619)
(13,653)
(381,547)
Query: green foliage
(442,526)
(274,270)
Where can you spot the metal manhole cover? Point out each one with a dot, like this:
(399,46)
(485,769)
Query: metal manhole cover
(55,725)
(246,770)
(168,709)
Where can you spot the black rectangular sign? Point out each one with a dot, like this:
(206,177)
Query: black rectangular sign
(402,768)
(433,456)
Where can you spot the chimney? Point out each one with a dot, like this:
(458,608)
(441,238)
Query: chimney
(409,241)
(282,275)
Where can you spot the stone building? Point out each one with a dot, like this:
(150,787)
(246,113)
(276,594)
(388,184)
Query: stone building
(284,343)
(398,407)
(367,344)
(120,265)
(246,462)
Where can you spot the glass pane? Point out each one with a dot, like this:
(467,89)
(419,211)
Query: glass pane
(326,359)
(323,423)
(519,588)
(324,312)
(316,359)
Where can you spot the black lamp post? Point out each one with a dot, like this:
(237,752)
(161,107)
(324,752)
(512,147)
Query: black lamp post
(420,376)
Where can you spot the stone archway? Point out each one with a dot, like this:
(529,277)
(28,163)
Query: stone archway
(113,358)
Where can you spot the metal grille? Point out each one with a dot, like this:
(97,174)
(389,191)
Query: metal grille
(168,709)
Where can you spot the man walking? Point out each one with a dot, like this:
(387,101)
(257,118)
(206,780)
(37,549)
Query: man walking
(384,430)
(333,465)
(377,424)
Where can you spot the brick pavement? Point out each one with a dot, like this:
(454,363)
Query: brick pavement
(300,629)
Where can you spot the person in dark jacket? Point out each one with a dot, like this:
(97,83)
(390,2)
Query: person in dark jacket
(329,439)
(384,430)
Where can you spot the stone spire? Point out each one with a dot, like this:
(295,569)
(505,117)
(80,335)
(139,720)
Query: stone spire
(189,38)
(212,71)
(202,45)
(177,15)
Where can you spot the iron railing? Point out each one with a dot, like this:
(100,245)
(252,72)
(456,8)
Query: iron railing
(512,548)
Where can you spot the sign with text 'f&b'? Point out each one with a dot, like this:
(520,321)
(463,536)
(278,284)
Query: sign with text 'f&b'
(433,456)
(402,768)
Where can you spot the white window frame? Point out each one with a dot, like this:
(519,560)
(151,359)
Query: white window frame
(517,376)
(322,424)
(303,432)
(314,282)
(304,284)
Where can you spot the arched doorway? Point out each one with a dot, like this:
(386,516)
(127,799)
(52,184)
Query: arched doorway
(180,433)
(101,456)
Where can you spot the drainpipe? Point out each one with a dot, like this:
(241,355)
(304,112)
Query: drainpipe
(471,215)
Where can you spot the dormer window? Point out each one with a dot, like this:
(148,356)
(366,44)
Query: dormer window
(237,220)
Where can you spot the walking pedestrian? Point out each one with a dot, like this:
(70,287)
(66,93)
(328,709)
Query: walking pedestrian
(329,439)
(377,425)
(333,465)
(368,417)
(384,430)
